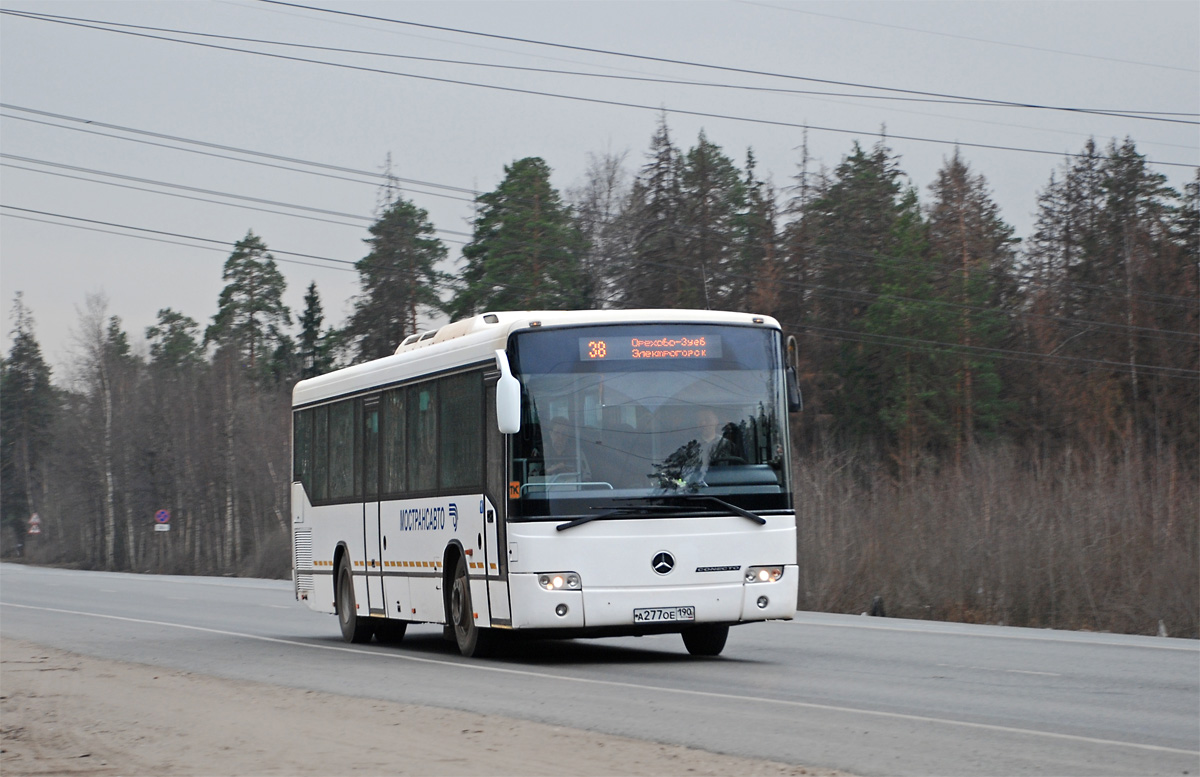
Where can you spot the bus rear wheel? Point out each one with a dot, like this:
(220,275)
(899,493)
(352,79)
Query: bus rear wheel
(354,628)
(706,640)
(472,640)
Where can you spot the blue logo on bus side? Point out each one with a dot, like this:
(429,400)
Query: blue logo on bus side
(454,515)
(425,519)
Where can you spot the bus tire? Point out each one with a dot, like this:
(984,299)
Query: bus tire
(706,640)
(472,640)
(354,628)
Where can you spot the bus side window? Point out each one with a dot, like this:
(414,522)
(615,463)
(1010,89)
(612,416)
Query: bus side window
(320,477)
(395,443)
(341,450)
(422,437)
(461,399)
(302,450)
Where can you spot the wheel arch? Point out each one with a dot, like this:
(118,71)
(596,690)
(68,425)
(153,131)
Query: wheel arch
(450,556)
(340,553)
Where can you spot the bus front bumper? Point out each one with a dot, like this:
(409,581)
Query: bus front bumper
(654,609)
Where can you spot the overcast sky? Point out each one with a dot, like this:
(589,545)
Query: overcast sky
(457,137)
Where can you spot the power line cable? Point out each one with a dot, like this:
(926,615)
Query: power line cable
(162,240)
(704,65)
(972,39)
(1134,114)
(1030,357)
(204,191)
(263,154)
(898,340)
(591,100)
(198,190)
(178,195)
(260,163)
(678,231)
(860,296)
(826,292)
(866,257)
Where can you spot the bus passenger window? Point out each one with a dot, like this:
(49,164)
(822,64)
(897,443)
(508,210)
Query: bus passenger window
(320,490)
(422,437)
(395,441)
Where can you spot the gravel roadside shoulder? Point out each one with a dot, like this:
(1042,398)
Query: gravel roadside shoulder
(63,714)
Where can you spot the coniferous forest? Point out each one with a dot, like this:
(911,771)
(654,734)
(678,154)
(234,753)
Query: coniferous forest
(997,428)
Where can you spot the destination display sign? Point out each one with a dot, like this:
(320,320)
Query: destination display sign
(650,346)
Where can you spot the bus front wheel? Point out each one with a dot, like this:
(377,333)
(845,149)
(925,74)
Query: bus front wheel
(354,628)
(706,640)
(472,640)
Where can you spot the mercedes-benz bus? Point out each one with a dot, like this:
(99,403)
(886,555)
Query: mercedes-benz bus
(561,473)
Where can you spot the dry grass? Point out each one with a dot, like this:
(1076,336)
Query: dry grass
(1083,540)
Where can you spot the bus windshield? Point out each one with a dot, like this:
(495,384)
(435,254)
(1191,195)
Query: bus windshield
(626,417)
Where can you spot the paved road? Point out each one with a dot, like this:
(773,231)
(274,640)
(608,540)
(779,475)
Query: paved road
(867,695)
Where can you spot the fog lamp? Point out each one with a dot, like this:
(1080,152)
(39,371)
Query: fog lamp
(763,602)
(558,581)
(764,574)
(560,610)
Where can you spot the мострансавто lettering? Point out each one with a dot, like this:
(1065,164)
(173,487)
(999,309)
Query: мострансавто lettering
(423,519)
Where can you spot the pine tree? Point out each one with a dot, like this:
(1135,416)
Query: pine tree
(756,272)
(251,319)
(898,379)
(654,213)
(842,248)
(314,351)
(27,409)
(712,198)
(852,223)
(399,280)
(975,249)
(526,249)
(1103,254)
(173,343)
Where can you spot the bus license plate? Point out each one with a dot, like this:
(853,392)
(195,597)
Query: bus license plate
(664,614)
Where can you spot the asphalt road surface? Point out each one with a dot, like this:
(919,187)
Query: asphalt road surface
(865,695)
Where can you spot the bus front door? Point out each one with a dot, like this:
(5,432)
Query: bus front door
(493,506)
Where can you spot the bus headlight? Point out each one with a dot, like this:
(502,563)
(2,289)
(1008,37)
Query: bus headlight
(763,574)
(560,581)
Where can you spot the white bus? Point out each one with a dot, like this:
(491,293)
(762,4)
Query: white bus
(564,473)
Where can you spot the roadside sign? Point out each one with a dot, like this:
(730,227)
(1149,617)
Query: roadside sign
(162,527)
(35,524)
(162,516)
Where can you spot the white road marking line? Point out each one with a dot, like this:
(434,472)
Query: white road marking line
(996,669)
(634,686)
(949,633)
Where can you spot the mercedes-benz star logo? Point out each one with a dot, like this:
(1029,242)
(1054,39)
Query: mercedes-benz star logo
(663,562)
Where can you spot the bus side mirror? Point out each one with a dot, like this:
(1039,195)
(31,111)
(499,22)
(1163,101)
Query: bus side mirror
(791,359)
(794,399)
(508,397)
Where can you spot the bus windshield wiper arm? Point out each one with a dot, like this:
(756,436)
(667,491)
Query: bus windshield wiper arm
(615,513)
(731,507)
(626,511)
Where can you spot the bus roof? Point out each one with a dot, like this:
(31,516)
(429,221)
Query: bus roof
(476,339)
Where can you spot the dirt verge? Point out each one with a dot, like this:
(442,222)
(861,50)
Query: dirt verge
(64,714)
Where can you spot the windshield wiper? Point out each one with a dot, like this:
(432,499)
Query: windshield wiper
(730,507)
(622,512)
(619,512)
